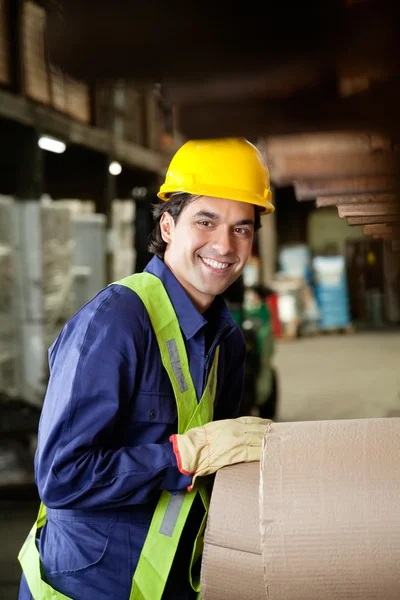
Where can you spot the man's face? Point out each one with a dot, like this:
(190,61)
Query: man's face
(209,245)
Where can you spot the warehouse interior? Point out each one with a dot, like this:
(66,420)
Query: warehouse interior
(93,105)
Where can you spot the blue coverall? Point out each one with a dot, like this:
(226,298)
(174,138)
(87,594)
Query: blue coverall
(103,452)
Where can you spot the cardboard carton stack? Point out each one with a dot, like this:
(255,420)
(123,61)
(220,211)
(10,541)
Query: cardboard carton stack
(5,55)
(45,83)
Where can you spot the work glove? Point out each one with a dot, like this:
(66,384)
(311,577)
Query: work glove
(203,450)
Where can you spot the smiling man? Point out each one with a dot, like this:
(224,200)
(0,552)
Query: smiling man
(207,247)
(145,385)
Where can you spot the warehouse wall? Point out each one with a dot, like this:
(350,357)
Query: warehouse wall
(326,230)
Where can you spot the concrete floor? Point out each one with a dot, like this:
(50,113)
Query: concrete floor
(339,376)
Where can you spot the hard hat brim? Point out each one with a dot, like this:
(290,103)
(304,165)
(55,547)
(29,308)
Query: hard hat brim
(264,204)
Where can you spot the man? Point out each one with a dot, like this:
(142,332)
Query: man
(145,384)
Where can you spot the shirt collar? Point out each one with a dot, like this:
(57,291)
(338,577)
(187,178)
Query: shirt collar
(190,319)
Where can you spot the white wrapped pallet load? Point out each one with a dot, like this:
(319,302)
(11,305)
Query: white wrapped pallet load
(122,238)
(8,320)
(89,256)
(57,252)
(78,207)
(44,291)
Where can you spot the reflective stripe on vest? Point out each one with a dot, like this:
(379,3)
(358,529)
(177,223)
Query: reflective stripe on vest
(170,515)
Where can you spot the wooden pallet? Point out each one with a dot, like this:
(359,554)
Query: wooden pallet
(310,333)
(290,335)
(347,329)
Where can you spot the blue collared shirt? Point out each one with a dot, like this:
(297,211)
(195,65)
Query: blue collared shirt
(109,409)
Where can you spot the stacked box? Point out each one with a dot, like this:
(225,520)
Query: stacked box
(89,249)
(295,261)
(120,110)
(57,273)
(78,207)
(5,59)
(123,232)
(77,99)
(58,88)
(330,285)
(44,82)
(289,292)
(37,83)
(90,256)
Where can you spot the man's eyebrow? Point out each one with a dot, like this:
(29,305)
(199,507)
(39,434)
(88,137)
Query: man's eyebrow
(206,213)
(210,215)
(245,222)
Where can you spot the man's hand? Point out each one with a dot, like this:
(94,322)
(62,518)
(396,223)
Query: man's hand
(203,450)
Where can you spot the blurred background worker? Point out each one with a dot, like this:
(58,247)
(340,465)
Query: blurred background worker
(258,322)
(144,393)
(250,308)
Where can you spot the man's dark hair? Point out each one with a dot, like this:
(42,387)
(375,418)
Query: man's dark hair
(175,206)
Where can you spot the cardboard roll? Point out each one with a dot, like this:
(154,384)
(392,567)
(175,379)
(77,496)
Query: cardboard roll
(317,519)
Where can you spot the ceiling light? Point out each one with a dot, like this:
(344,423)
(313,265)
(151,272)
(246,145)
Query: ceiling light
(115,168)
(51,144)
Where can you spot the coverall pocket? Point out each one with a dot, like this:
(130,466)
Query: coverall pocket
(87,558)
(73,545)
(154,407)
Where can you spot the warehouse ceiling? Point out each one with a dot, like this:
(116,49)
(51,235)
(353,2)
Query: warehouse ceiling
(316,85)
(243,69)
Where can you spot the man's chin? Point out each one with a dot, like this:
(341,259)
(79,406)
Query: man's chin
(216,290)
(214,286)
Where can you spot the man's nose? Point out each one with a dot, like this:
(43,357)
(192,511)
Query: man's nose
(223,242)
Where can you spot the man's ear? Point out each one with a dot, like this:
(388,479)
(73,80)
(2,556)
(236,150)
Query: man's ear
(167,225)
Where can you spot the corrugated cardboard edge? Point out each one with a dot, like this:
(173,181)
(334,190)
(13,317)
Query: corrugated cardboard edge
(261,505)
(228,569)
(231,574)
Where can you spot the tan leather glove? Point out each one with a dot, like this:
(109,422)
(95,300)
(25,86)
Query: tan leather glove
(203,450)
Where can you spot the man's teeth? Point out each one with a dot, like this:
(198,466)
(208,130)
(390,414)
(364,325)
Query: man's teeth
(215,264)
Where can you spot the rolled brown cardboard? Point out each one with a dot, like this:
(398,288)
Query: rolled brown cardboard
(232,562)
(330,510)
(328,514)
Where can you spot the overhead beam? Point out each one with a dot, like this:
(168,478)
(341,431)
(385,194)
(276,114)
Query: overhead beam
(389,237)
(308,111)
(277,82)
(285,170)
(360,210)
(380,230)
(356,199)
(314,188)
(325,143)
(371,220)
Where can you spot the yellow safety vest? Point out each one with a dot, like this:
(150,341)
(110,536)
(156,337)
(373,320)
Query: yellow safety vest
(170,515)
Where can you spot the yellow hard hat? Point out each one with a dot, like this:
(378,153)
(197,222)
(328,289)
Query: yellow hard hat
(230,168)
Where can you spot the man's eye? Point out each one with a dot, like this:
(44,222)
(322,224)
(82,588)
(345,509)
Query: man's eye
(204,223)
(242,231)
